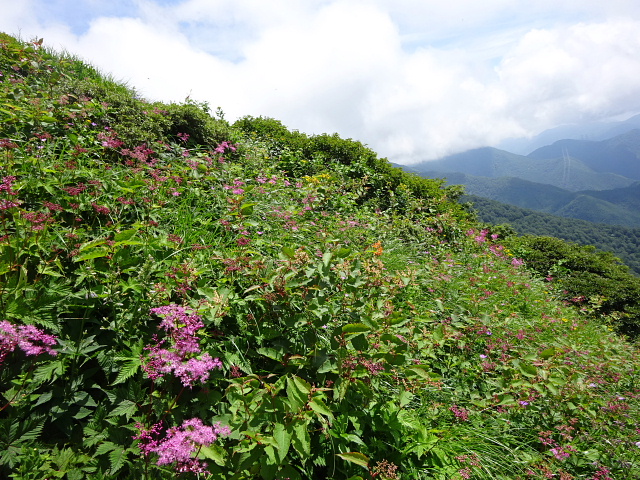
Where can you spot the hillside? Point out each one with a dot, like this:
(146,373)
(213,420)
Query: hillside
(619,206)
(623,242)
(619,155)
(570,174)
(182,297)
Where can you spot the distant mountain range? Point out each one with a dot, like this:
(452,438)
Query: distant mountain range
(597,181)
(591,131)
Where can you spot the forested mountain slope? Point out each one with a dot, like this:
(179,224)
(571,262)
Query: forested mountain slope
(569,173)
(623,242)
(619,155)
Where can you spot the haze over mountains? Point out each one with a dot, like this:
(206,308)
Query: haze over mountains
(594,180)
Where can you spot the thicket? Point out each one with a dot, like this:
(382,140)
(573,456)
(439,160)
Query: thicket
(181,297)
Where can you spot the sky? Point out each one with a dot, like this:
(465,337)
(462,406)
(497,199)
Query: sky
(412,79)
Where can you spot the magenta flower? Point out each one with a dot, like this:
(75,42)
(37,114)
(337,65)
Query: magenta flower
(31,340)
(175,317)
(181,325)
(196,369)
(181,444)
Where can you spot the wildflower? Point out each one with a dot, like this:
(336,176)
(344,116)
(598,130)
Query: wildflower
(242,241)
(7,185)
(181,443)
(101,208)
(460,413)
(196,369)
(6,204)
(31,340)
(77,190)
(182,326)
(177,317)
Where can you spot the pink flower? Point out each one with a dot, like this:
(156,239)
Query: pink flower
(196,369)
(516,262)
(181,325)
(31,340)
(181,444)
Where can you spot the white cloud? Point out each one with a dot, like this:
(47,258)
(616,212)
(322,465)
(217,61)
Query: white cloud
(413,79)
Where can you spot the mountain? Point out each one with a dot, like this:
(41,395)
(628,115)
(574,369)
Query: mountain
(619,155)
(584,179)
(614,207)
(594,131)
(572,174)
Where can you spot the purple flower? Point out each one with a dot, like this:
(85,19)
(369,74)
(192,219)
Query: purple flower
(181,443)
(179,358)
(177,317)
(196,369)
(31,340)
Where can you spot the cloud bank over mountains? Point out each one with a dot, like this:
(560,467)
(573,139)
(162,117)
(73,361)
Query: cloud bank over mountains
(414,80)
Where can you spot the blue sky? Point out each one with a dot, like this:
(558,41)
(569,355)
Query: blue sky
(413,79)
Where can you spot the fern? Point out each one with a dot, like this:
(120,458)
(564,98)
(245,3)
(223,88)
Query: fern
(129,369)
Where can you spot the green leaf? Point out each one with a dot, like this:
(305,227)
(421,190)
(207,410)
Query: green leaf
(506,400)
(288,252)
(528,370)
(125,407)
(420,371)
(300,440)
(105,447)
(318,406)
(214,452)
(282,436)
(128,370)
(44,398)
(247,208)
(438,333)
(405,398)
(100,252)
(124,235)
(117,458)
(355,328)
(355,457)
(92,244)
(548,353)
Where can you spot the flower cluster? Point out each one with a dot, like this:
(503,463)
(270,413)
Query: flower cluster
(6,186)
(180,444)
(31,340)
(460,413)
(181,325)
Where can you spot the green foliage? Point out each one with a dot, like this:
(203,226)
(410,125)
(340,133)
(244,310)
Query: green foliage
(342,319)
(588,277)
(621,241)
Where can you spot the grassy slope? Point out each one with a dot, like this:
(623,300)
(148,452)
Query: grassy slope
(366,327)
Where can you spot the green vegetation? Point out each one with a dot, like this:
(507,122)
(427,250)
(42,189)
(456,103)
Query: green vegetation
(620,206)
(181,297)
(623,242)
